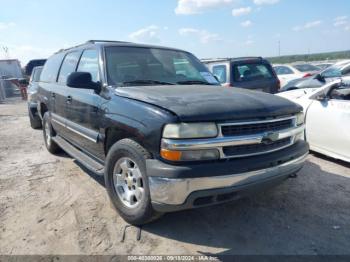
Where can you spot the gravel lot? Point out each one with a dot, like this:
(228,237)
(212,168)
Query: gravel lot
(51,205)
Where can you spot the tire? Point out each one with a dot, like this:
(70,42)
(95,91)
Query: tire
(122,157)
(35,122)
(48,133)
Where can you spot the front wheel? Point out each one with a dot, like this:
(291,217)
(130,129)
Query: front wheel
(127,183)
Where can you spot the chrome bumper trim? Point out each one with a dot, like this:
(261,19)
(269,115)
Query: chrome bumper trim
(171,191)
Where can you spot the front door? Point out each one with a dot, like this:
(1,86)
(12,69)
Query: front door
(328,123)
(83,109)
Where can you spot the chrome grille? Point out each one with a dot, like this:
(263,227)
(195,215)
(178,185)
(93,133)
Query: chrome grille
(261,128)
(255,149)
(255,128)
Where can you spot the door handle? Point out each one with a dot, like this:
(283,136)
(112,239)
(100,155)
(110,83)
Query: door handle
(69,99)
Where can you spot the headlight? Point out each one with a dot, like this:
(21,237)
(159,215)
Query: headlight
(300,119)
(190,130)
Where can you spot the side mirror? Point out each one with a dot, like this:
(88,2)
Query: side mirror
(82,80)
(320,78)
(321,97)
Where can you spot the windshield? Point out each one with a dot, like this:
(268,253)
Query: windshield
(306,68)
(154,66)
(333,71)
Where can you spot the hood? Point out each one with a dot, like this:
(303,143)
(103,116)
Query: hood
(297,93)
(211,103)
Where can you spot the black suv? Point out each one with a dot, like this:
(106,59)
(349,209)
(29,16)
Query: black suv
(162,131)
(254,73)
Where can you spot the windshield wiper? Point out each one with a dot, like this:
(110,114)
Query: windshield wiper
(146,82)
(194,82)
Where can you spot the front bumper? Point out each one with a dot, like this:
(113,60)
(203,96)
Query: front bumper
(169,193)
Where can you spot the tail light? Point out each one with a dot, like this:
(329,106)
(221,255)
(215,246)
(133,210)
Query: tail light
(307,75)
(227,85)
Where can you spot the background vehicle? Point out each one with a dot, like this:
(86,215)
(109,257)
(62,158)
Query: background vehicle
(253,73)
(33,63)
(323,66)
(9,69)
(327,117)
(336,71)
(157,124)
(35,121)
(286,73)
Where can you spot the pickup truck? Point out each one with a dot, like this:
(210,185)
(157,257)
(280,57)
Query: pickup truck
(162,131)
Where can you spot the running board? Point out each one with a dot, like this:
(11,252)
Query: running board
(80,156)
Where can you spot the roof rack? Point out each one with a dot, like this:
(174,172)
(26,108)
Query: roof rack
(229,58)
(90,42)
(104,41)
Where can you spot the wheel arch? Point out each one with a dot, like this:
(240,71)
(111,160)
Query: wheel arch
(114,134)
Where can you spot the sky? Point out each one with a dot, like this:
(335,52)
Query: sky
(32,29)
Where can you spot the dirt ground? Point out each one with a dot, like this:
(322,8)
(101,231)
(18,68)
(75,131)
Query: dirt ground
(51,205)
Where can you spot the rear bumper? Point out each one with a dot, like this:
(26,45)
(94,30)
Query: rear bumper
(176,193)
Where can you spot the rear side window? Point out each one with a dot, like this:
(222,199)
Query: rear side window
(89,63)
(49,73)
(68,66)
(220,72)
(252,72)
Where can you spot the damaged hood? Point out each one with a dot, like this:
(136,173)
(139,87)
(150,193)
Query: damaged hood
(210,103)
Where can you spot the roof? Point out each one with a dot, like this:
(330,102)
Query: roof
(231,59)
(115,43)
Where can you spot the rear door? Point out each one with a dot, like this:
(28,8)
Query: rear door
(48,89)
(83,108)
(68,66)
(254,75)
(328,124)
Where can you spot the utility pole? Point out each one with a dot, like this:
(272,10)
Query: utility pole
(6,52)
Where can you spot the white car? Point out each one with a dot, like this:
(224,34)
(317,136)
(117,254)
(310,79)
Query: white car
(327,117)
(288,73)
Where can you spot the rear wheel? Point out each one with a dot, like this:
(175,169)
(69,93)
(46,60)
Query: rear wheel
(48,133)
(127,184)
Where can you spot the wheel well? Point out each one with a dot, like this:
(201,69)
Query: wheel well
(43,109)
(113,135)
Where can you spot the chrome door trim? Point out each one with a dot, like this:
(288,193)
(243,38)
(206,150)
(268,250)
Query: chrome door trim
(76,128)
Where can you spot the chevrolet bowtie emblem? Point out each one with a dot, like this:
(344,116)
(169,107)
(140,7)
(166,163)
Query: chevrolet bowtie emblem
(269,138)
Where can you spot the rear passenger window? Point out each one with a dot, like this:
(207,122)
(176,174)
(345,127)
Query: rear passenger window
(220,72)
(89,63)
(68,66)
(52,65)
